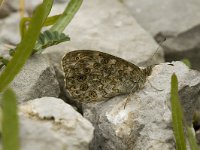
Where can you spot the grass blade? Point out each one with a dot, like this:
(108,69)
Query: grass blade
(24,49)
(67,15)
(10,124)
(192,139)
(177,115)
(1,2)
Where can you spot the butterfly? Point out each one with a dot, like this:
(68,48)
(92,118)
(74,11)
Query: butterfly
(93,76)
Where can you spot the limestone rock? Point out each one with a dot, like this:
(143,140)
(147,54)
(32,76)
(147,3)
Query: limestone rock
(6,9)
(36,79)
(9,32)
(176,20)
(145,122)
(165,16)
(112,30)
(49,123)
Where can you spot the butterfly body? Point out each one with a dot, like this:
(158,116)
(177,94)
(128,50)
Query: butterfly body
(92,76)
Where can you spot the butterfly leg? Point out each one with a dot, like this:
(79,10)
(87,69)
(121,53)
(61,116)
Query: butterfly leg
(128,98)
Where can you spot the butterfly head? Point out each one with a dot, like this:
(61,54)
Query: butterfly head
(147,71)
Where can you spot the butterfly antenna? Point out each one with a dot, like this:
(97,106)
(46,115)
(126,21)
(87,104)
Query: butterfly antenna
(161,42)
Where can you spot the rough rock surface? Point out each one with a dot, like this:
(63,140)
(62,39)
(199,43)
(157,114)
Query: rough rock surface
(176,20)
(49,123)
(36,79)
(6,9)
(145,122)
(184,46)
(165,16)
(115,32)
(112,30)
(9,32)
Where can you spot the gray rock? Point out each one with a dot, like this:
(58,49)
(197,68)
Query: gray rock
(184,45)
(49,123)
(36,79)
(198,137)
(7,8)
(165,16)
(177,20)
(9,32)
(145,122)
(113,31)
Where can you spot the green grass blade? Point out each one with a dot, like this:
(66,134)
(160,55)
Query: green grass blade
(1,2)
(26,20)
(187,62)
(10,122)
(67,15)
(192,139)
(51,20)
(177,115)
(22,25)
(24,49)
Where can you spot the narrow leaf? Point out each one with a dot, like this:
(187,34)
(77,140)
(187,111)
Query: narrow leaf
(24,49)
(10,122)
(67,15)
(1,2)
(186,62)
(26,20)
(177,115)
(192,139)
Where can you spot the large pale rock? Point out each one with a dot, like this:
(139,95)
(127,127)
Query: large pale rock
(35,80)
(177,20)
(49,123)
(6,9)
(184,45)
(112,30)
(172,16)
(145,122)
(9,32)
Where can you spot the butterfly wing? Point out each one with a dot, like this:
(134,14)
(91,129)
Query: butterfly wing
(92,76)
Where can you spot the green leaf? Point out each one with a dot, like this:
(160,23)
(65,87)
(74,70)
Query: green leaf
(192,139)
(1,2)
(26,20)
(177,115)
(186,62)
(10,121)
(25,47)
(67,15)
(49,38)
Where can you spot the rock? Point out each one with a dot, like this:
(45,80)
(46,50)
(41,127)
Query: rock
(171,20)
(198,137)
(113,31)
(7,8)
(36,79)
(185,45)
(109,33)
(9,32)
(145,122)
(49,123)
(166,17)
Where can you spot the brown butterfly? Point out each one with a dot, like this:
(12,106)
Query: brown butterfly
(92,76)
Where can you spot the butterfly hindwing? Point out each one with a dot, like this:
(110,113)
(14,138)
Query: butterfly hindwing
(92,76)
